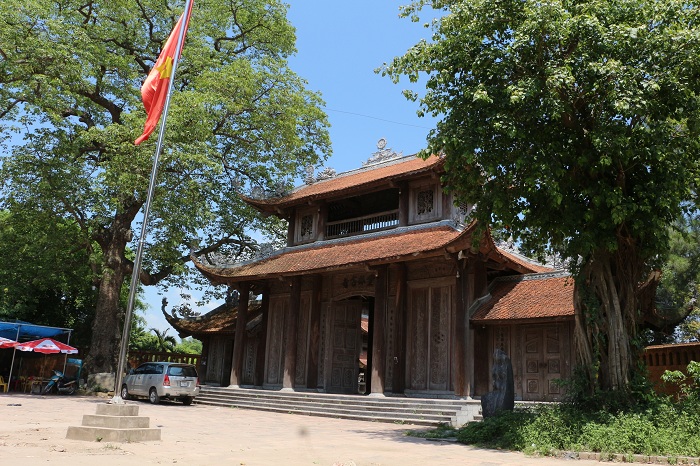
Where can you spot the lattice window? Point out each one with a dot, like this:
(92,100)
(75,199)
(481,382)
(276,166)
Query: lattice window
(426,202)
(307,227)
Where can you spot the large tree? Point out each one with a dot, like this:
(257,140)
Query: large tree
(44,278)
(70,75)
(574,123)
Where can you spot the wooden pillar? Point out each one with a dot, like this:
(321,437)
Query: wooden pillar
(462,355)
(239,339)
(202,366)
(378,324)
(262,343)
(290,347)
(321,224)
(314,334)
(404,194)
(291,230)
(400,312)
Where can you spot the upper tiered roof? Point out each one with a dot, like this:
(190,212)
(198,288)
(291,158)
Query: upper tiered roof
(353,182)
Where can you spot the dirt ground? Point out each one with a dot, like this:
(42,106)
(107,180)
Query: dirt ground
(33,430)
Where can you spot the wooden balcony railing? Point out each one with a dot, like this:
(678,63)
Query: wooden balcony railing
(366,224)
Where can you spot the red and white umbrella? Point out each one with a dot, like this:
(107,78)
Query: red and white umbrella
(47,346)
(7,343)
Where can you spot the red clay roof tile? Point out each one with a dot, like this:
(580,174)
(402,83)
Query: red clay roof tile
(529,297)
(352,181)
(342,254)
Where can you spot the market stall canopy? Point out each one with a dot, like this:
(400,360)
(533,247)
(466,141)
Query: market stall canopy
(25,331)
(47,346)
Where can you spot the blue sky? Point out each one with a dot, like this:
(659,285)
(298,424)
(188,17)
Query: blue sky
(339,47)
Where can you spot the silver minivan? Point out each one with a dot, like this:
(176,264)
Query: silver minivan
(156,380)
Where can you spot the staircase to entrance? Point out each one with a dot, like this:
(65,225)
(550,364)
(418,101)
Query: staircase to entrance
(402,410)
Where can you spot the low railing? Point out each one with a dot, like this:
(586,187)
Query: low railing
(138,357)
(366,224)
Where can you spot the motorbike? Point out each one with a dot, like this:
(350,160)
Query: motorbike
(60,384)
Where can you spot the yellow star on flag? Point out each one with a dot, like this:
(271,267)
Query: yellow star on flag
(166,68)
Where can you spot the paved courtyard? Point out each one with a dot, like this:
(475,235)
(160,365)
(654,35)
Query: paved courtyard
(33,431)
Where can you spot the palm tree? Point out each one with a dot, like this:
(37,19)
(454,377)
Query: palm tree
(165,342)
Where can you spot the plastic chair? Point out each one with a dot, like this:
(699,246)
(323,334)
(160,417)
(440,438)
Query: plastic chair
(3,384)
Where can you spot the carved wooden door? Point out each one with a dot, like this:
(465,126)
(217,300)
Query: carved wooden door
(276,339)
(429,342)
(543,362)
(345,346)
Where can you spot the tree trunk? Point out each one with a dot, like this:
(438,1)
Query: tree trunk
(608,318)
(107,326)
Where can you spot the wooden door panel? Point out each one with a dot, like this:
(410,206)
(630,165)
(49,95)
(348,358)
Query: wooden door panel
(542,363)
(276,340)
(440,308)
(345,344)
(429,343)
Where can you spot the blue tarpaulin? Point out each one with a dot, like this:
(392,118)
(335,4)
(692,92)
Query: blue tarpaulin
(24,331)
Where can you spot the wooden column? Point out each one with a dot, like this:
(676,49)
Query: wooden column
(400,311)
(378,337)
(202,366)
(404,194)
(314,334)
(262,343)
(462,355)
(290,347)
(321,224)
(239,339)
(291,230)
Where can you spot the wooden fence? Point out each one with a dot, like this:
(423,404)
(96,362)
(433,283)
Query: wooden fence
(137,357)
(661,358)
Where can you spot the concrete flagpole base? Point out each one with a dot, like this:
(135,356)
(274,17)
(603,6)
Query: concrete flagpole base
(114,423)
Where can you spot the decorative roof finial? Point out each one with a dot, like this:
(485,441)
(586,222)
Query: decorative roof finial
(383,154)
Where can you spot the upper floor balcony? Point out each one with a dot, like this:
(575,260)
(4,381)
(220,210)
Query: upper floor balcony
(364,224)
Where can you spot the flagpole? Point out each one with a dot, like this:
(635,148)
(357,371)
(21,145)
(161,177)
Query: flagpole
(117,399)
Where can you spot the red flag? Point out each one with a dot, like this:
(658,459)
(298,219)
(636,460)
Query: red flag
(155,88)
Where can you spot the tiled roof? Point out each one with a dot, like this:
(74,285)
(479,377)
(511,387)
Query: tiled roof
(221,320)
(524,261)
(532,296)
(344,254)
(355,180)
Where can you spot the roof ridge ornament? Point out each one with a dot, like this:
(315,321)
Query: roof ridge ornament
(383,154)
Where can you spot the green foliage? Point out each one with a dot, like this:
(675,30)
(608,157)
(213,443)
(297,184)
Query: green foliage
(440,432)
(568,121)
(189,345)
(660,429)
(689,383)
(577,125)
(677,295)
(581,395)
(240,120)
(46,278)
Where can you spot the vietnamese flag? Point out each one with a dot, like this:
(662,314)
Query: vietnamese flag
(156,86)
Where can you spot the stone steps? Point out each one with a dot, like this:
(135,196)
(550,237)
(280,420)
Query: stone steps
(418,411)
(114,423)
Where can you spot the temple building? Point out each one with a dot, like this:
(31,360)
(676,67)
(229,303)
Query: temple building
(384,289)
